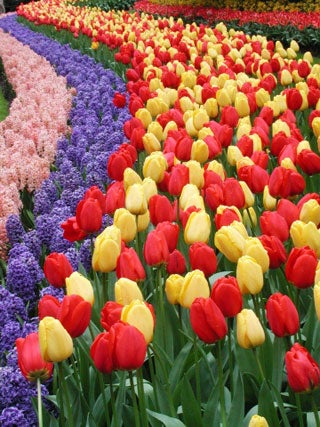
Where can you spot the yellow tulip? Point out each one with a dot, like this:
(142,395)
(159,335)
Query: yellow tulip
(173,287)
(196,173)
(269,202)
(229,241)
(249,330)
(130,177)
(257,421)
(305,234)
(254,248)
(199,151)
(249,274)
(156,129)
(55,342)
(316,126)
(107,248)
(198,228)
(154,166)
(127,290)
(242,105)
(310,211)
(143,221)
(126,222)
(151,142)
(233,155)
(139,315)
(249,197)
(249,217)
(135,200)
(144,116)
(77,284)
(188,192)
(194,285)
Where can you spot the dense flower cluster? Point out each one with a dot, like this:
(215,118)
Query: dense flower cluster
(206,228)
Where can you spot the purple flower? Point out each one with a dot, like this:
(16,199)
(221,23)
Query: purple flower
(15,230)
(12,417)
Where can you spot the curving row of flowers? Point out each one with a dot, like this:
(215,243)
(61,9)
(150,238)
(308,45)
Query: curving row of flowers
(38,117)
(196,301)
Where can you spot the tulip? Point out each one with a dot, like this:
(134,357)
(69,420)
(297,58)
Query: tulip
(309,161)
(176,263)
(203,257)
(249,330)
(30,361)
(123,347)
(227,295)
(310,211)
(77,284)
(72,231)
(198,228)
(258,421)
(226,216)
(149,188)
(138,314)
(110,314)
(233,194)
(305,235)
(288,210)
(74,314)
(171,232)
(316,297)
(301,267)
(189,193)
(130,177)
(143,221)
(249,275)
(55,342)
(126,222)
(196,173)
(254,248)
(275,248)
(194,285)
(302,370)
(173,286)
(254,176)
(127,290)
(56,268)
(207,320)
(161,209)
(107,247)
(136,201)
(285,182)
(155,248)
(230,242)
(179,177)
(115,197)
(48,306)
(154,166)
(117,164)
(273,224)
(269,202)
(130,266)
(282,315)
(213,196)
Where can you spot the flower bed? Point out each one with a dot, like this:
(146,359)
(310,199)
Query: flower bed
(210,228)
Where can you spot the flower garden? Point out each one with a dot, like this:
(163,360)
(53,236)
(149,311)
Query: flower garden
(159,214)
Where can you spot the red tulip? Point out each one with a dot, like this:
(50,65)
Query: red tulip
(229,116)
(89,215)
(225,218)
(227,295)
(213,196)
(155,249)
(275,248)
(94,192)
(302,370)
(179,177)
(254,176)
(115,197)
(207,320)
(309,162)
(130,266)
(30,361)
(176,263)
(233,194)
(119,100)
(301,267)
(288,210)
(117,163)
(273,224)
(48,306)
(202,257)
(57,268)
(285,182)
(123,347)
(171,232)
(110,314)
(282,315)
(72,231)
(74,314)
(161,209)
(293,98)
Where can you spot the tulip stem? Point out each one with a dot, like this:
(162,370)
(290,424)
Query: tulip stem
(197,370)
(221,387)
(315,410)
(105,403)
(134,401)
(113,404)
(299,410)
(230,354)
(259,364)
(142,402)
(64,393)
(105,284)
(40,418)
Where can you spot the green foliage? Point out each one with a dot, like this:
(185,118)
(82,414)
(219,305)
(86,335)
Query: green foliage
(107,4)
(7,93)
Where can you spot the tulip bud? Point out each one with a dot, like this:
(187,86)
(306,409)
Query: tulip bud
(249,275)
(89,215)
(110,314)
(30,361)
(130,266)
(176,263)
(143,221)
(77,284)
(107,247)
(203,257)
(227,295)
(138,314)
(316,297)
(156,249)
(257,421)
(196,173)
(249,330)
(198,228)
(136,201)
(56,268)
(130,177)
(154,166)
(282,315)
(301,267)
(161,209)
(55,342)
(126,222)
(207,320)
(173,287)
(310,211)
(305,235)
(230,242)
(194,285)
(254,248)
(127,290)
(302,370)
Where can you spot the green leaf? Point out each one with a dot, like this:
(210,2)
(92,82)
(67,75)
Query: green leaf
(190,405)
(211,408)
(266,405)
(178,367)
(237,405)
(165,419)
